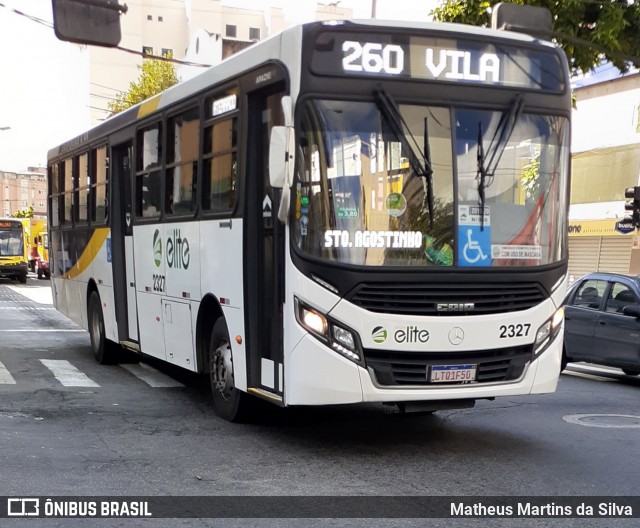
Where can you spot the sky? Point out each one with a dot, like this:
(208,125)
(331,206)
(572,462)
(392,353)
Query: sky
(44,99)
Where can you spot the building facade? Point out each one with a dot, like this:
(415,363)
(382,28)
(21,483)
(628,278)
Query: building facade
(199,31)
(19,190)
(605,161)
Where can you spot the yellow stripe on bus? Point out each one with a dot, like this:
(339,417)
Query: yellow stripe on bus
(149,106)
(89,253)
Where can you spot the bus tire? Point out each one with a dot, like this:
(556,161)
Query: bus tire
(229,403)
(565,359)
(23,278)
(103,349)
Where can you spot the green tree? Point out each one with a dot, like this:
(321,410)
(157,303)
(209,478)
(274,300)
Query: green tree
(25,212)
(156,75)
(588,30)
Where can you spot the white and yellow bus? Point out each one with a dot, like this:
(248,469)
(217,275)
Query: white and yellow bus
(345,212)
(14,252)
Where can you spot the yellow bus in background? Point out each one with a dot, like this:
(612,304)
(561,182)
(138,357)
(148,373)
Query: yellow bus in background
(14,255)
(38,247)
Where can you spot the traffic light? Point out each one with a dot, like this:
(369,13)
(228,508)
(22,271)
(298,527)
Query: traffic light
(632,194)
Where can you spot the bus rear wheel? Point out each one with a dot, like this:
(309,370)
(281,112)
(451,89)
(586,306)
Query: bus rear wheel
(229,403)
(103,349)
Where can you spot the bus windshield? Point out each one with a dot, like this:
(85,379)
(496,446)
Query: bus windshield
(497,198)
(11,243)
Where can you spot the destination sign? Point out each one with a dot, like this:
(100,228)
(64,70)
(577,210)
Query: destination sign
(436,59)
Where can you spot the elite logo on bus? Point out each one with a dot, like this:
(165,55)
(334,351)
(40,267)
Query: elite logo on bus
(379,334)
(157,248)
(178,252)
(409,334)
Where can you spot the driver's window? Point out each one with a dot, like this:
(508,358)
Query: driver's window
(590,293)
(619,297)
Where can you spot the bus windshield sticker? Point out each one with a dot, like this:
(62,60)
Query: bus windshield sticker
(396,204)
(335,238)
(469,215)
(474,245)
(348,212)
(516,252)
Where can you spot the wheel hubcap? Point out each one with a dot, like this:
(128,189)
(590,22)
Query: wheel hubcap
(222,371)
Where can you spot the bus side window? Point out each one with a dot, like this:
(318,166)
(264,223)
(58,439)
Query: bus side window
(183,139)
(54,194)
(99,191)
(68,189)
(148,172)
(220,164)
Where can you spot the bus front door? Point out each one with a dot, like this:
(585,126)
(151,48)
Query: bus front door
(264,237)
(124,283)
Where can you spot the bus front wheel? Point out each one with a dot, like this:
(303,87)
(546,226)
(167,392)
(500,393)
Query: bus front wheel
(229,403)
(103,349)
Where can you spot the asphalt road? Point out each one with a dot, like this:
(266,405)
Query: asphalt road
(69,426)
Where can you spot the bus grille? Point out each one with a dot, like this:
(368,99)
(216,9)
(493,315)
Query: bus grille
(424,299)
(412,368)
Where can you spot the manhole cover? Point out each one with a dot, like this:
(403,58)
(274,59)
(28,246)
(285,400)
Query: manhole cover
(618,421)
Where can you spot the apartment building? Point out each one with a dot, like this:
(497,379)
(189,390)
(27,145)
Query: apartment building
(200,31)
(23,189)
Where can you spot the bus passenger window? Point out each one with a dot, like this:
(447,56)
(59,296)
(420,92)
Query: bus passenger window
(148,194)
(67,211)
(54,194)
(220,166)
(148,174)
(99,179)
(183,138)
(83,187)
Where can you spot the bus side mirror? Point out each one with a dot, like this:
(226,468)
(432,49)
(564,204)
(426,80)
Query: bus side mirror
(281,162)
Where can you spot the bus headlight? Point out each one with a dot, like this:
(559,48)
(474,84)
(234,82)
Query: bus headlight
(548,332)
(313,321)
(330,332)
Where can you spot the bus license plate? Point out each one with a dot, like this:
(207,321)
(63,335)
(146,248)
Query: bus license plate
(452,373)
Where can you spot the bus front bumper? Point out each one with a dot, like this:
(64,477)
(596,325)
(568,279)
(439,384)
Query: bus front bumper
(14,269)
(316,375)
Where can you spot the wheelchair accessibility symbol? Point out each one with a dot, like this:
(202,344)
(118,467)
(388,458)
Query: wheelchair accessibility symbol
(474,246)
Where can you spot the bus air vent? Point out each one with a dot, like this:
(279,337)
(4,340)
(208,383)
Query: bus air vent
(447,299)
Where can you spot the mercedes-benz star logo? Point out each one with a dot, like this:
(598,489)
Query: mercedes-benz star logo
(456,335)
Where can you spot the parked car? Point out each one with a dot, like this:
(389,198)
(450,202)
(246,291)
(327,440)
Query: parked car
(602,321)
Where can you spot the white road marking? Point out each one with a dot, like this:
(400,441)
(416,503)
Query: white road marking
(24,308)
(67,374)
(41,330)
(151,376)
(39,294)
(5,377)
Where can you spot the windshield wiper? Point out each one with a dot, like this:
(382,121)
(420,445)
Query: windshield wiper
(496,148)
(419,158)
